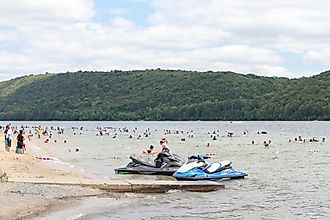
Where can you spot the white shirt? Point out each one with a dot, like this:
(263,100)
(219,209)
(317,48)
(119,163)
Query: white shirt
(9,134)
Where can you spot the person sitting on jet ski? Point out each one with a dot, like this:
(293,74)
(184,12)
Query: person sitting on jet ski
(163,143)
(165,153)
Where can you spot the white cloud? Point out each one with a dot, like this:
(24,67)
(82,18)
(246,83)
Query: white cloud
(273,70)
(247,37)
(13,12)
(320,56)
(294,18)
(120,22)
(118,11)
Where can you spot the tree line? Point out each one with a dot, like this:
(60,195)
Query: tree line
(164,95)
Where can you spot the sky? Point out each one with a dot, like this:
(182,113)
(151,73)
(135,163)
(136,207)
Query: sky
(285,38)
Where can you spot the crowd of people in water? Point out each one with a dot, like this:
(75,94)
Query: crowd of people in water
(213,135)
(15,135)
(299,139)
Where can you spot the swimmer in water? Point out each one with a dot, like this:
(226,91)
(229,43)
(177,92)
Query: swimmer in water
(150,150)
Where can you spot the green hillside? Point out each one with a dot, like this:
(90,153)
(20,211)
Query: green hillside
(164,95)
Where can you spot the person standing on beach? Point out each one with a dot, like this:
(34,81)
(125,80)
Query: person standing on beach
(5,133)
(8,138)
(20,142)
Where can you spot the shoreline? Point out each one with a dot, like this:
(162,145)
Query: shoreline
(30,200)
(35,188)
(22,200)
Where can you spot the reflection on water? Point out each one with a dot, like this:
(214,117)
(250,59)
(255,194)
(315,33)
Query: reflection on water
(286,181)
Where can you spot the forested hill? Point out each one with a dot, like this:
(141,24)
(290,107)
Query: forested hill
(164,95)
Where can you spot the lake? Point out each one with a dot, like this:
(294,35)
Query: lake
(288,180)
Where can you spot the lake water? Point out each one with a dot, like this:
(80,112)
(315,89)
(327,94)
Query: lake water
(288,180)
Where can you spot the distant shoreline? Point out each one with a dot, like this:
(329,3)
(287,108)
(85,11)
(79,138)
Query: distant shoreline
(161,95)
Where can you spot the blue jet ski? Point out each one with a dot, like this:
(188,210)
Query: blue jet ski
(197,168)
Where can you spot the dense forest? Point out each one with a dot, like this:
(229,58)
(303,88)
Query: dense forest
(164,95)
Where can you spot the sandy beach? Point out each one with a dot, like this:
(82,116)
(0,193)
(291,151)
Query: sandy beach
(22,200)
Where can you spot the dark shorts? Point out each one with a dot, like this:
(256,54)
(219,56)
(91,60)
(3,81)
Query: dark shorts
(8,142)
(20,144)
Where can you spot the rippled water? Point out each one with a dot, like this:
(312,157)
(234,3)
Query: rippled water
(286,181)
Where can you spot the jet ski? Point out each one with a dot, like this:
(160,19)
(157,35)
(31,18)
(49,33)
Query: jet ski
(197,168)
(164,164)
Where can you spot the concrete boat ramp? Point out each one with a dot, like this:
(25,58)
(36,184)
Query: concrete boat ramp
(140,186)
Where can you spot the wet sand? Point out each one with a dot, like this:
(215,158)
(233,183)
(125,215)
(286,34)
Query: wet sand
(21,200)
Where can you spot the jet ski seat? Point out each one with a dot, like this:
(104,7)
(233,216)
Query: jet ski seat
(215,167)
(139,160)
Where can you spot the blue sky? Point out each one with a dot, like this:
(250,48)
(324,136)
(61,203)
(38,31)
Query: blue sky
(287,38)
(137,11)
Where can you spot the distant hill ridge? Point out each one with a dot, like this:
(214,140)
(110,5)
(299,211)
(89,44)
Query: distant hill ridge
(164,95)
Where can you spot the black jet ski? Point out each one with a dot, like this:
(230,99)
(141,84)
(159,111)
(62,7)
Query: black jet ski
(164,164)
